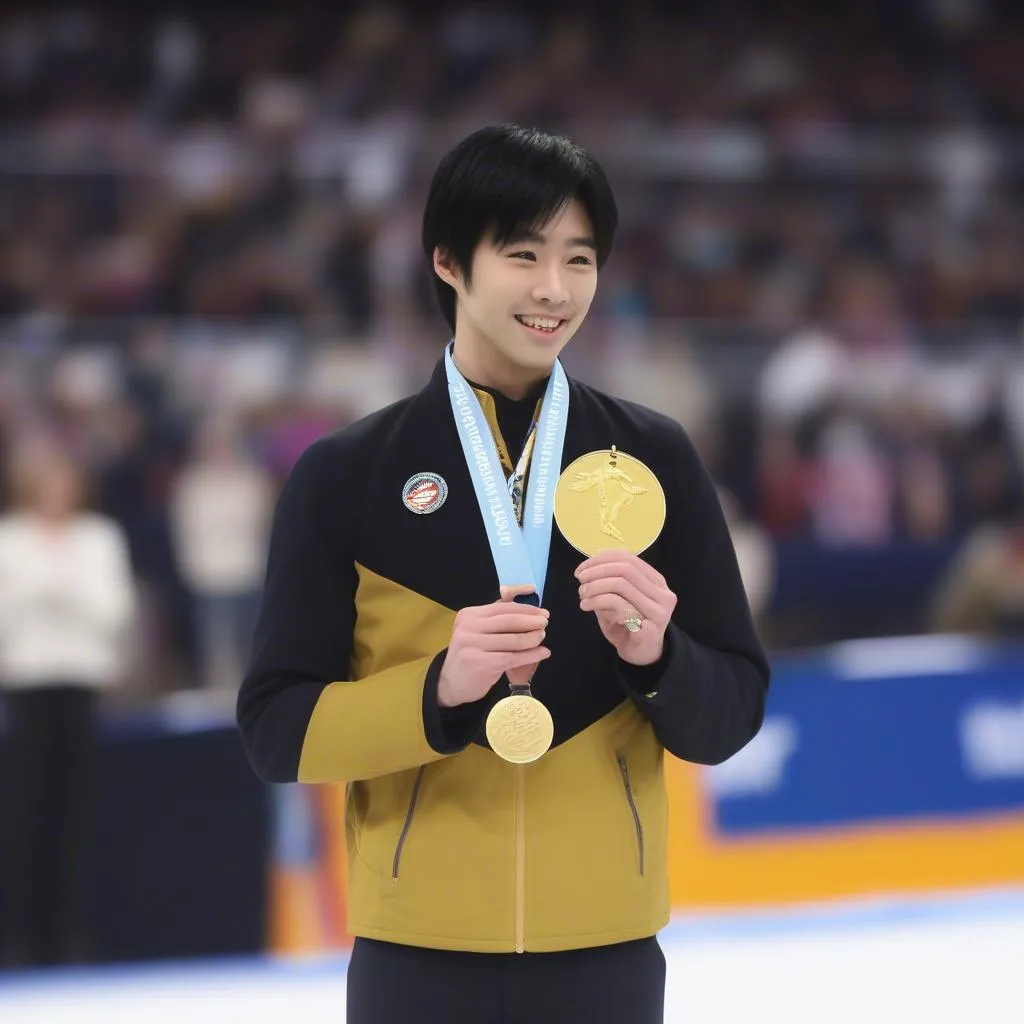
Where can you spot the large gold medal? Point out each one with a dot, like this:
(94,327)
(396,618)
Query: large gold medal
(519,728)
(607,499)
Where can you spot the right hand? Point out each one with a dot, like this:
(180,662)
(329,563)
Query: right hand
(487,641)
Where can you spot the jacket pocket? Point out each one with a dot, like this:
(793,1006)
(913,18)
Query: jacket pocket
(638,825)
(396,863)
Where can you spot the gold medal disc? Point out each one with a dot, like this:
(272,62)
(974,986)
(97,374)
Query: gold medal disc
(607,499)
(520,728)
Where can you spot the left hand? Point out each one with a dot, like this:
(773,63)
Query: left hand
(617,585)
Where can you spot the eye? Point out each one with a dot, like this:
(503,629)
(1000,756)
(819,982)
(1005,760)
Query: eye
(582,261)
(523,255)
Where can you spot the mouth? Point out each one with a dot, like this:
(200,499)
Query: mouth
(542,326)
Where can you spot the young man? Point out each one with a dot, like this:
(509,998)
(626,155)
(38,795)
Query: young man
(497,701)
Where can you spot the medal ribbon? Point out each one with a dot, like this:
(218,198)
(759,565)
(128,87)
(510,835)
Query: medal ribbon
(520,553)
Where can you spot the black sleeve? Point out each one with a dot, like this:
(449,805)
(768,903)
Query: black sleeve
(301,717)
(706,695)
(303,634)
(450,730)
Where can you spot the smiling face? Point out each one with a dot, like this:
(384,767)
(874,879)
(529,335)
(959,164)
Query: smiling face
(525,300)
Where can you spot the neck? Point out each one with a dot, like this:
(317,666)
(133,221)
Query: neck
(52,522)
(487,366)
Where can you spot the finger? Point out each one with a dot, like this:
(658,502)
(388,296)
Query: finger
(508,622)
(609,608)
(610,555)
(496,664)
(658,593)
(513,590)
(622,565)
(613,619)
(506,641)
(619,555)
(525,658)
(624,570)
(506,608)
(647,606)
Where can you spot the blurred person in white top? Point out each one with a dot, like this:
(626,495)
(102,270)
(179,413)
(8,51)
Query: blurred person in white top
(221,508)
(66,601)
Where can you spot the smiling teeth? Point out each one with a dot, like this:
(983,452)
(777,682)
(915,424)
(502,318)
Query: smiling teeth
(539,322)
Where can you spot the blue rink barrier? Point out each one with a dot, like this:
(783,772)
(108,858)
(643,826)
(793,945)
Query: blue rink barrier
(864,731)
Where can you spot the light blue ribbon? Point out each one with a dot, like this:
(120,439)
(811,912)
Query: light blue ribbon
(520,555)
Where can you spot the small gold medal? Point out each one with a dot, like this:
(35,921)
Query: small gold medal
(607,499)
(519,728)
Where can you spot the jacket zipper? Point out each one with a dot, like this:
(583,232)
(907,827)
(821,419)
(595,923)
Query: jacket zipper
(624,771)
(408,821)
(520,799)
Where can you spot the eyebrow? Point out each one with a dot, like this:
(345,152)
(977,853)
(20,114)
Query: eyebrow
(579,242)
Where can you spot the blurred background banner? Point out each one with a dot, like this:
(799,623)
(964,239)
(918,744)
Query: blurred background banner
(209,257)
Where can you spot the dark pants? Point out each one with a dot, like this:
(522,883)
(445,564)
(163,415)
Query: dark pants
(619,984)
(44,838)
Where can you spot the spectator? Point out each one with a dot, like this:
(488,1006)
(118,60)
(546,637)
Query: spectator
(819,276)
(66,599)
(221,507)
(983,590)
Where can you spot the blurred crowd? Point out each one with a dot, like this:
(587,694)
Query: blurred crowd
(209,256)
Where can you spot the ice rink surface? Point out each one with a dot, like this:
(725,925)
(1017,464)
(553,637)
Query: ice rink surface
(937,961)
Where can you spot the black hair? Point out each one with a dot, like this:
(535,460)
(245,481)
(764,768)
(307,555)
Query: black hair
(503,181)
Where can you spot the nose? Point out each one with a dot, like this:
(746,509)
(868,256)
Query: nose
(549,286)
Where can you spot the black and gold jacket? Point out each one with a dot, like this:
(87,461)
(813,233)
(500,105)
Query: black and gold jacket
(448,845)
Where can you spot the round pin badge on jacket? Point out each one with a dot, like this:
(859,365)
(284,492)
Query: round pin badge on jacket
(424,493)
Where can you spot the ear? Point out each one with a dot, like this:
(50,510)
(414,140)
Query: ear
(446,268)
